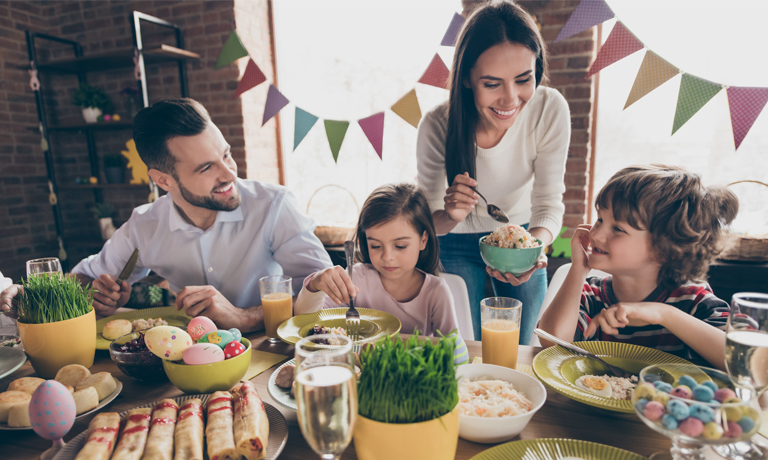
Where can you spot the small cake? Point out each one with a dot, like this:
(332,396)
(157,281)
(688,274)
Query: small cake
(86,399)
(26,384)
(103,382)
(18,416)
(72,374)
(116,328)
(9,399)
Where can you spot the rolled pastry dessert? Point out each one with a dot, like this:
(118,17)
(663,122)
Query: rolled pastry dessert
(189,431)
(250,423)
(160,439)
(218,431)
(133,438)
(100,441)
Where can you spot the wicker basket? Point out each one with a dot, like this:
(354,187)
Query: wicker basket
(745,247)
(334,235)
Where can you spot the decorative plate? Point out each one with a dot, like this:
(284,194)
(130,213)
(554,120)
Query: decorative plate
(170,314)
(558,368)
(555,449)
(278,430)
(102,403)
(373,324)
(11,358)
(279,394)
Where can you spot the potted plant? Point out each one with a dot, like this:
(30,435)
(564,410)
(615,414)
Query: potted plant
(113,168)
(408,393)
(105,212)
(92,100)
(57,323)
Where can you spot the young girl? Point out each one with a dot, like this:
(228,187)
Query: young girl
(657,231)
(400,258)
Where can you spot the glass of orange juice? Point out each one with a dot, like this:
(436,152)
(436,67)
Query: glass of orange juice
(500,319)
(276,303)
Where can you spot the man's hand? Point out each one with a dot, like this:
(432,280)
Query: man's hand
(625,314)
(109,296)
(7,295)
(208,301)
(517,280)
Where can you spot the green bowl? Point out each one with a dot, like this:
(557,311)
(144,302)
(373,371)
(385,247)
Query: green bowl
(207,378)
(508,260)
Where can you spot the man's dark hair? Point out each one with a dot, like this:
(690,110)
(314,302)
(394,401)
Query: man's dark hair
(153,126)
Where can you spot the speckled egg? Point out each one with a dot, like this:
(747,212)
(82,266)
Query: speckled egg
(168,342)
(702,412)
(669,422)
(653,410)
(236,335)
(220,338)
(688,381)
(734,430)
(663,386)
(52,410)
(692,427)
(746,424)
(678,409)
(203,353)
(645,390)
(733,413)
(681,391)
(233,349)
(703,393)
(662,397)
(713,431)
(200,326)
(724,393)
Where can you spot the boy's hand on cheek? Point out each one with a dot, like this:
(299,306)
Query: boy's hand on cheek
(580,247)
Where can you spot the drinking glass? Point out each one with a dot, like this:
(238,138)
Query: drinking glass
(326,393)
(500,320)
(43,266)
(276,303)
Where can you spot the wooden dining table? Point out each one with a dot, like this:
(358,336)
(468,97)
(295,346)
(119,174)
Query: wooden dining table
(560,417)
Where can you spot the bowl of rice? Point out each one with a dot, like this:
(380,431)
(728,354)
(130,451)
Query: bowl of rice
(496,403)
(511,249)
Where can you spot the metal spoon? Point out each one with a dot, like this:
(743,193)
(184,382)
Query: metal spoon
(493,210)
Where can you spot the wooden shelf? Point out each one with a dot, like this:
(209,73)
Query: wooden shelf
(101,186)
(84,242)
(99,126)
(116,60)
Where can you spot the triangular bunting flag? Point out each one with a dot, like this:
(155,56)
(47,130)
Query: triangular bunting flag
(275,103)
(449,39)
(746,104)
(619,44)
(436,74)
(408,108)
(335,130)
(373,127)
(252,77)
(694,94)
(303,122)
(653,72)
(232,51)
(589,13)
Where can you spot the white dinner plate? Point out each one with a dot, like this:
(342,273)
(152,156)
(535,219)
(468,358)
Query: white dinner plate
(281,395)
(11,358)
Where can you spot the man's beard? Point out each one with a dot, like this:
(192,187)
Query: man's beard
(209,202)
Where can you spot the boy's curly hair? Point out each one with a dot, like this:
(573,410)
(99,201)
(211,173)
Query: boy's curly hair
(685,219)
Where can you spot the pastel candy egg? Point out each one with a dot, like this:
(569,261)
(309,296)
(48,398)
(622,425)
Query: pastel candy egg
(653,410)
(651,378)
(236,335)
(661,397)
(734,430)
(640,404)
(678,409)
(52,410)
(702,412)
(669,422)
(713,431)
(710,384)
(663,386)
(750,412)
(692,427)
(688,381)
(645,390)
(733,413)
(746,424)
(703,393)
(168,342)
(724,393)
(233,349)
(200,326)
(220,338)
(681,391)
(203,353)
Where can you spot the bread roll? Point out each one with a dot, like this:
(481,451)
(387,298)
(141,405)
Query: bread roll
(19,415)
(72,374)
(70,388)
(10,399)
(116,328)
(26,384)
(86,399)
(103,382)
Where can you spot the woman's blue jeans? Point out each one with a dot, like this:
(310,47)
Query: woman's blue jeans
(460,255)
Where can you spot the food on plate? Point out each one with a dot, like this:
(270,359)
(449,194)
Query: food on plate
(188,438)
(491,398)
(146,323)
(9,399)
(202,353)
(86,399)
(72,374)
(11,342)
(100,441)
(595,385)
(513,237)
(284,377)
(134,435)
(161,428)
(250,422)
(199,326)
(168,342)
(103,382)
(320,329)
(18,416)
(116,328)
(219,432)
(25,384)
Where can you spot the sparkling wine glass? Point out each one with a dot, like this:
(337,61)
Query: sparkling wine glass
(43,266)
(326,393)
(746,358)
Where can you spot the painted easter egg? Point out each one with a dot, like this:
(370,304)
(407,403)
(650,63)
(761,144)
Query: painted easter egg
(52,410)
(203,353)
(236,335)
(200,326)
(220,338)
(233,349)
(168,342)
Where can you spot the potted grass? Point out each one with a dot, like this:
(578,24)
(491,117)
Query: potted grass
(407,400)
(56,322)
(92,101)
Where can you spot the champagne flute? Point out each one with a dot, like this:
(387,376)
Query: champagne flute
(43,266)
(326,393)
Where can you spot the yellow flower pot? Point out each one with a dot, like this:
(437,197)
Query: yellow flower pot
(51,346)
(435,439)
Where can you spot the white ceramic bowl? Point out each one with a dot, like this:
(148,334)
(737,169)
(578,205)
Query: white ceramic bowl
(495,430)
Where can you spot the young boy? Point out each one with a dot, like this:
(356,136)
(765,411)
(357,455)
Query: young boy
(657,231)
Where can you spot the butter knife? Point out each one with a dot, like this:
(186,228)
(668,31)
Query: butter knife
(128,269)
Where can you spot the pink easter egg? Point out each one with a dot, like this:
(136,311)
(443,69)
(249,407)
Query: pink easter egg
(724,393)
(52,410)
(203,353)
(200,326)
(233,349)
(692,427)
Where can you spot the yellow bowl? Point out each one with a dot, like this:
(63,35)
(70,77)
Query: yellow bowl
(207,378)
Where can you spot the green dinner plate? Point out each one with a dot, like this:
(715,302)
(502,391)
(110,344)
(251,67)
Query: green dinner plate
(373,323)
(558,368)
(170,314)
(555,449)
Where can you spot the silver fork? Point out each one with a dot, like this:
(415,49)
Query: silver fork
(352,317)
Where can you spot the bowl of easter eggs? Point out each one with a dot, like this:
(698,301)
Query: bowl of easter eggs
(201,359)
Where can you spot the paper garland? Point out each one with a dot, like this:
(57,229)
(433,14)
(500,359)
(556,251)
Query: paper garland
(335,130)
(232,51)
(303,122)
(694,94)
(275,103)
(745,105)
(449,39)
(654,71)
(588,13)
(619,44)
(408,108)
(373,127)
(436,74)
(252,77)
